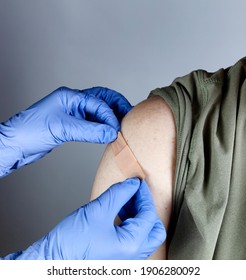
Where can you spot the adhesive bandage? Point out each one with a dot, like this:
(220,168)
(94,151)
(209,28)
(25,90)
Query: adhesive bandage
(125,158)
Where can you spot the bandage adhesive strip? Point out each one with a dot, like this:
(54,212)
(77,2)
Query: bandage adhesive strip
(125,159)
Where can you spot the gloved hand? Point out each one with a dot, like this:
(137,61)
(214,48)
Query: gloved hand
(90,233)
(90,115)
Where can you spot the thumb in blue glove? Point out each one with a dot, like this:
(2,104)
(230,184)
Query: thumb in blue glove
(90,233)
(91,115)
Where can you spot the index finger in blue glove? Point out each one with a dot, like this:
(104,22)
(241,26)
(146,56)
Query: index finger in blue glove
(86,131)
(70,100)
(115,100)
(117,195)
(156,236)
(98,110)
(144,199)
(152,229)
(130,209)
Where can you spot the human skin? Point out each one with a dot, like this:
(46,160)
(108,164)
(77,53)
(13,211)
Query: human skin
(149,129)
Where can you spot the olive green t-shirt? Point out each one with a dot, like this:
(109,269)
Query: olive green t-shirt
(209,200)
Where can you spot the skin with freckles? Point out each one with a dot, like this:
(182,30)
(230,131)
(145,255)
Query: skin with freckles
(149,129)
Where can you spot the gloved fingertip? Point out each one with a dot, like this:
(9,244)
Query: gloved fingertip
(113,135)
(110,135)
(129,108)
(133,181)
(143,184)
(118,128)
(160,231)
(113,122)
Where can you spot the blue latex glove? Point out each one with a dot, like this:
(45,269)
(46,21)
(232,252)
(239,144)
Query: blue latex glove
(91,115)
(90,233)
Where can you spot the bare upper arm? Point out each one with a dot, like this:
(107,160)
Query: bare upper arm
(150,131)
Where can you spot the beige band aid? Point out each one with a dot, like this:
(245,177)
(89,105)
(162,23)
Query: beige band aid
(125,158)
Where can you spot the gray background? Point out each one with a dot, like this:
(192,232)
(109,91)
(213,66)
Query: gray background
(130,46)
